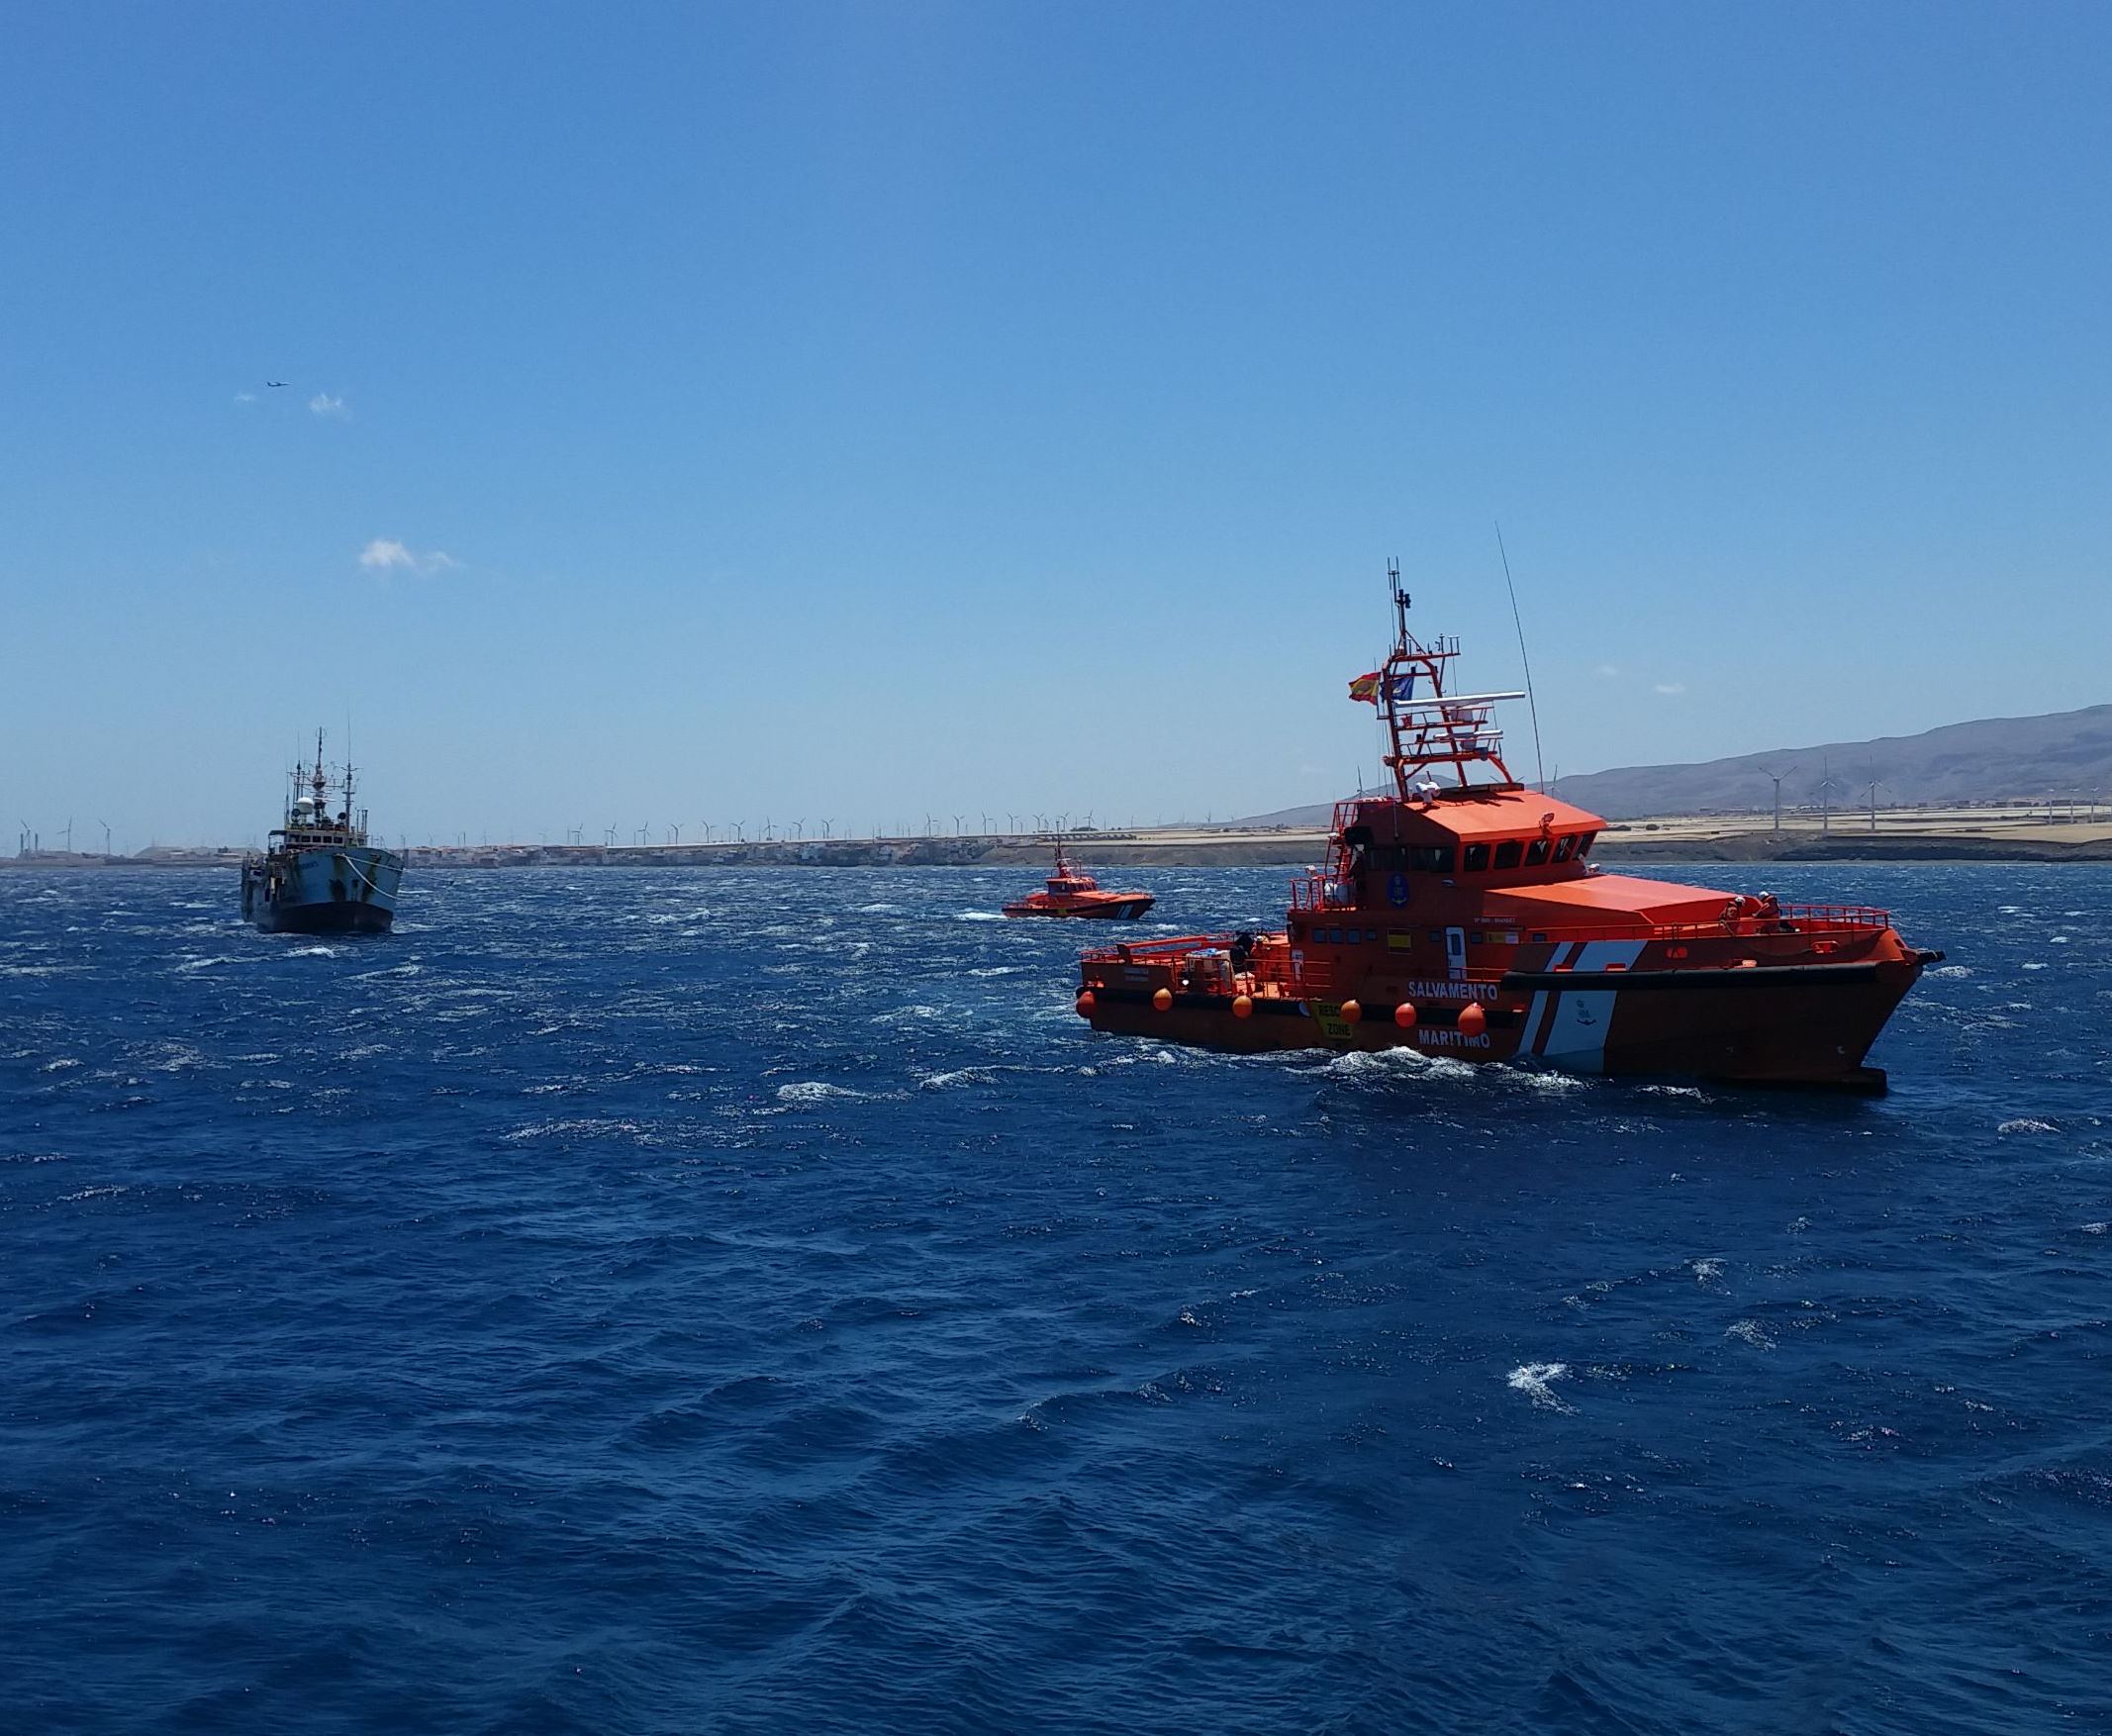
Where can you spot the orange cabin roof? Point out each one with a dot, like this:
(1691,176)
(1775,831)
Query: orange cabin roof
(1600,896)
(1501,814)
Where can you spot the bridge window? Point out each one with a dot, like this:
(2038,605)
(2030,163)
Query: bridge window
(1584,844)
(1474,858)
(1431,858)
(1563,845)
(1536,852)
(1507,853)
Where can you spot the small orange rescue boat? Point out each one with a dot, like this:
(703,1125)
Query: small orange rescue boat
(1073,892)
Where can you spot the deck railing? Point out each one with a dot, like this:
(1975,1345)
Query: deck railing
(1273,969)
(1314,890)
(1277,967)
(1749,921)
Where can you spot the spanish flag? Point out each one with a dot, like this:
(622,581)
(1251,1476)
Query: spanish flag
(1365,687)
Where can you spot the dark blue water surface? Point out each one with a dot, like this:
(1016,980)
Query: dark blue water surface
(734,1301)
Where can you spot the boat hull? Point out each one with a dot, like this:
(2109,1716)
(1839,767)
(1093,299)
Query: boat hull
(1807,1025)
(1112,907)
(350,890)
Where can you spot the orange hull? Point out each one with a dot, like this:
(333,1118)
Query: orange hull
(1108,906)
(1776,1024)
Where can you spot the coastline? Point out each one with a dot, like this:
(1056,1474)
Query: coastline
(1621,846)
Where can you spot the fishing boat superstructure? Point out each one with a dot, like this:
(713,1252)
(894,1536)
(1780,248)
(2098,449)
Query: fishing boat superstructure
(1464,918)
(318,874)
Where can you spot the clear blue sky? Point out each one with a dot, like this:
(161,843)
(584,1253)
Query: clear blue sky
(869,410)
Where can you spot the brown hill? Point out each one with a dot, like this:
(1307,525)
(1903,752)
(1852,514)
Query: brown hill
(2062,755)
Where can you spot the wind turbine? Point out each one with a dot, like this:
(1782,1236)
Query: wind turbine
(105,824)
(1778,777)
(1874,785)
(1826,789)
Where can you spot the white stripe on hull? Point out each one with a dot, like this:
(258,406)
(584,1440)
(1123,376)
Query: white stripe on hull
(1576,1036)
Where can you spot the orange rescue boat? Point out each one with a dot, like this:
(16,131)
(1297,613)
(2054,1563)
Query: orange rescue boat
(1465,919)
(1073,892)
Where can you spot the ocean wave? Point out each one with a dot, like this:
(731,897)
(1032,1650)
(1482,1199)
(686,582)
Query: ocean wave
(583,1128)
(816,1090)
(1393,1063)
(959,1076)
(1536,1381)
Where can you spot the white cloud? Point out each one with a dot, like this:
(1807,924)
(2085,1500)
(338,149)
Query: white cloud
(1669,687)
(245,397)
(1608,670)
(323,403)
(385,555)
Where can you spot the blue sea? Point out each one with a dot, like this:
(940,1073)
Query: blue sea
(725,1301)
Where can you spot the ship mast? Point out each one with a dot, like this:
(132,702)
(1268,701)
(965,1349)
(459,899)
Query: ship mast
(1425,725)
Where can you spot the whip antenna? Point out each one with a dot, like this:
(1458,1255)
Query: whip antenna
(1531,706)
